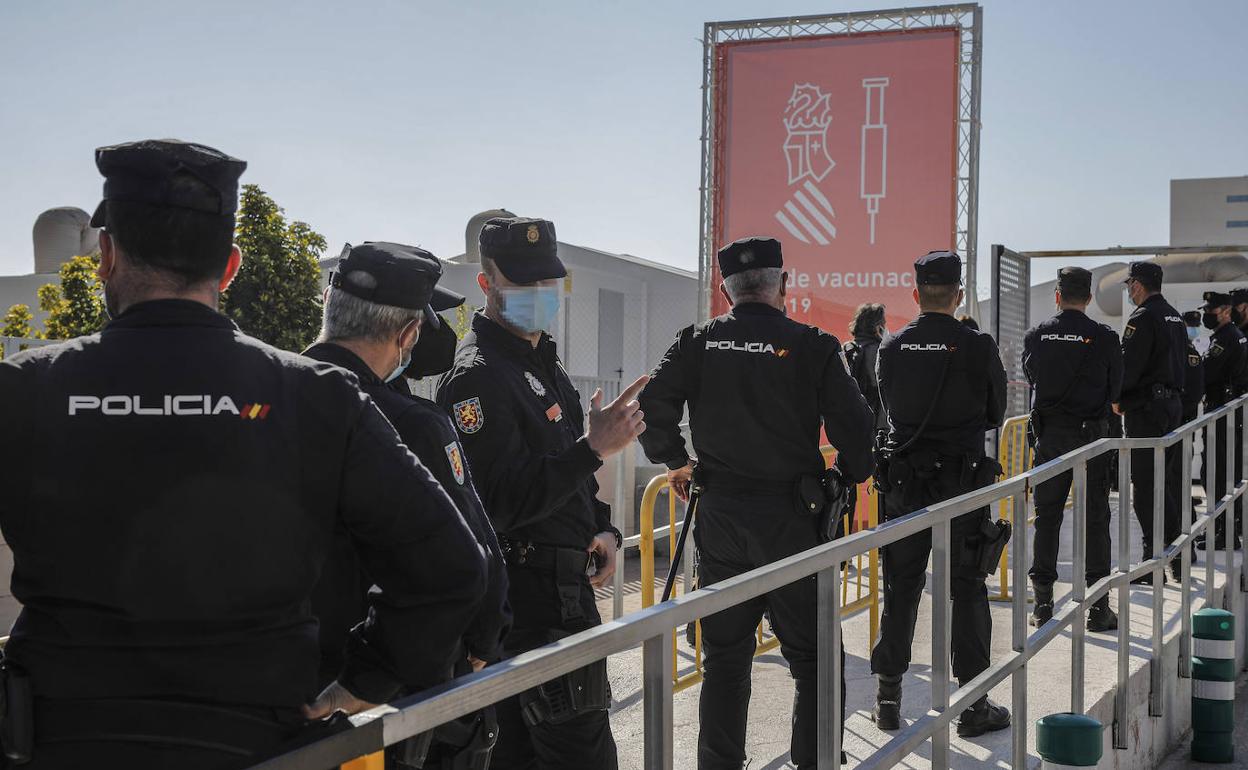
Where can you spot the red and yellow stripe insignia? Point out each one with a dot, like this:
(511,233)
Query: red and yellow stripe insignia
(255,411)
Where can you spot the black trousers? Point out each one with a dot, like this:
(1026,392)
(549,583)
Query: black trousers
(540,617)
(737,532)
(1056,439)
(905,574)
(1156,418)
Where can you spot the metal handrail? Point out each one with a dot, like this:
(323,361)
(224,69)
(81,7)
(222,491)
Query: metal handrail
(652,627)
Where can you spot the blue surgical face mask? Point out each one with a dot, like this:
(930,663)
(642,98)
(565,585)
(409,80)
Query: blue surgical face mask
(405,360)
(1193,333)
(530,309)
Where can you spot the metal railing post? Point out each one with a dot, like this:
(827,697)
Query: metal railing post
(657,701)
(1212,495)
(1185,562)
(1155,704)
(617,521)
(1079,586)
(1121,693)
(829,669)
(1018,680)
(1228,515)
(942,539)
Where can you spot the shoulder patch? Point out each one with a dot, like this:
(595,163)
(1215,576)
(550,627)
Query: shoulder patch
(456,458)
(1127,332)
(1215,349)
(1193,360)
(469,416)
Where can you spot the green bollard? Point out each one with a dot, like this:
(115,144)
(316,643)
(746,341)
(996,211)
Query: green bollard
(1213,686)
(1068,740)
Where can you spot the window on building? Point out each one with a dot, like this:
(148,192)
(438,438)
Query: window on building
(1237,223)
(1237,199)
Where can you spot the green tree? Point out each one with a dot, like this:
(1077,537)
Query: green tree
(18,322)
(277,294)
(76,306)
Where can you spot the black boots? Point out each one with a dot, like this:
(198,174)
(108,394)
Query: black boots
(1043,610)
(984,717)
(1101,618)
(887,711)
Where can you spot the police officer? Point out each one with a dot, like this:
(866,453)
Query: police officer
(1239,317)
(176,487)
(867,328)
(943,386)
(382,300)
(534,459)
(759,386)
(1154,353)
(1224,363)
(1074,367)
(1194,378)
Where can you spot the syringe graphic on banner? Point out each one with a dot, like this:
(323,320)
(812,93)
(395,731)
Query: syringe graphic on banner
(873,186)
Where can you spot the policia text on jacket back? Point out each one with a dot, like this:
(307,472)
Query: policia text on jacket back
(533,460)
(1074,367)
(943,387)
(759,388)
(381,324)
(165,584)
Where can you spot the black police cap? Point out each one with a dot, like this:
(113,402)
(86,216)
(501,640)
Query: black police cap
(1215,299)
(938,268)
(1239,296)
(1074,280)
(1148,272)
(143,172)
(524,249)
(1192,318)
(750,253)
(404,276)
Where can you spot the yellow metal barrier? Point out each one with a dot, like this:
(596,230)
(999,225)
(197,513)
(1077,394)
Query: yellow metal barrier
(368,762)
(1015,454)
(866,597)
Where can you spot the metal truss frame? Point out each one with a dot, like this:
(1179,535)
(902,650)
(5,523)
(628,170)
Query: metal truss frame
(967,18)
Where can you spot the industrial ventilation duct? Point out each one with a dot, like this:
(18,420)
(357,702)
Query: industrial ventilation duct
(61,234)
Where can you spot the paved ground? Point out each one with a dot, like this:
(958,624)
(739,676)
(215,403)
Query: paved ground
(1181,756)
(768,734)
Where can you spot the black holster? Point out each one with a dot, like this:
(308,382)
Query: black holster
(17,710)
(842,497)
(984,549)
(462,744)
(576,692)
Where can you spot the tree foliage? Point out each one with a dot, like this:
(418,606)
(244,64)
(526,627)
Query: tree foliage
(276,295)
(76,306)
(18,322)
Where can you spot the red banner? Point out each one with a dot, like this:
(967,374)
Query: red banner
(844,149)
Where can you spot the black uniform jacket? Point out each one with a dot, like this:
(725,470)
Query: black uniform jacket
(1074,366)
(759,386)
(1225,361)
(522,426)
(1193,380)
(971,399)
(174,487)
(1154,352)
(428,432)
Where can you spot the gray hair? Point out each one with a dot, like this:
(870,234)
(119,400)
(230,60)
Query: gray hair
(759,284)
(347,317)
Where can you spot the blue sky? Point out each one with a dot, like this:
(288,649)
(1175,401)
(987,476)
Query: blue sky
(398,120)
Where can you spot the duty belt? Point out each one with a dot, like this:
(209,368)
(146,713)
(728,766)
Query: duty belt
(548,558)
